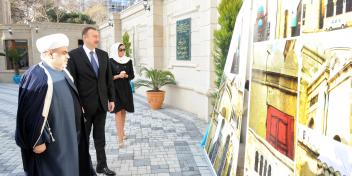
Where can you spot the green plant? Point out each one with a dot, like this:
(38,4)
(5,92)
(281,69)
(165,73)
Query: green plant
(14,56)
(127,43)
(228,11)
(76,17)
(62,16)
(155,79)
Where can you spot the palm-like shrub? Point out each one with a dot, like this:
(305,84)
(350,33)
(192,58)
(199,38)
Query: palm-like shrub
(14,55)
(228,11)
(155,79)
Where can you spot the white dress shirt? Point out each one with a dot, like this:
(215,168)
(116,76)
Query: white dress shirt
(87,51)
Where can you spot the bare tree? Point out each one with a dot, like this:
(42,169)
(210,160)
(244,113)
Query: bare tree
(69,5)
(98,12)
(25,11)
(17,11)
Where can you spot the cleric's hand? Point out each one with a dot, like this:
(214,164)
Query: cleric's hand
(111,106)
(39,149)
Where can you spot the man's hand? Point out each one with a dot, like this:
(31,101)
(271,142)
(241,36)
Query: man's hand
(39,149)
(111,106)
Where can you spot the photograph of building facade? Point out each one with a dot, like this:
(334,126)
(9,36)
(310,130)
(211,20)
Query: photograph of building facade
(325,113)
(225,129)
(326,15)
(288,18)
(224,134)
(270,145)
(264,20)
(225,152)
(276,20)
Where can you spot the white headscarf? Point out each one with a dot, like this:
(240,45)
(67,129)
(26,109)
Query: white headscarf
(114,49)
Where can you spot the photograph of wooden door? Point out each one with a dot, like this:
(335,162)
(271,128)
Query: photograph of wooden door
(280,131)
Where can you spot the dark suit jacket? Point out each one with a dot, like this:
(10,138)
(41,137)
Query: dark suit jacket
(93,91)
(83,146)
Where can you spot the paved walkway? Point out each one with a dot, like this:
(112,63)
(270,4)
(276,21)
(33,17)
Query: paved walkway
(164,142)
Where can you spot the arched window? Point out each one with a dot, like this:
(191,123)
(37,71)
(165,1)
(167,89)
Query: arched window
(265,166)
(304,14)
(222,125)
(261,165)
(223,112)
(311,123)
(235,61)
(337,138)
(348,5)
(330,8)
(223,155)
(286,23)
(256,161)
(269,170)
(339,7)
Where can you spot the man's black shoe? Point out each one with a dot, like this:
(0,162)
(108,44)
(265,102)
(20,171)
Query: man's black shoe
(105,171)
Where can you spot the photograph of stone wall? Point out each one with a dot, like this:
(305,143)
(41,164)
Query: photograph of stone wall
(270,144)
(324,132)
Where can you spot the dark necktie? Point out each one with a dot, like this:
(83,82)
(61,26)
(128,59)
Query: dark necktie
(94,63)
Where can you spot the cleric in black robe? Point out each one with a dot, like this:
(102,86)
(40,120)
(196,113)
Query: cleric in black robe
(50,123)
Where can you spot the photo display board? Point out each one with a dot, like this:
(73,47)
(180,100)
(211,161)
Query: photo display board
(300,91)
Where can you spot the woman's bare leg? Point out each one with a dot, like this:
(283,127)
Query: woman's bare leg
(123,115)
(119,126)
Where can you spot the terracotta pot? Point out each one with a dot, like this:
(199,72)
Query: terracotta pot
(155,99)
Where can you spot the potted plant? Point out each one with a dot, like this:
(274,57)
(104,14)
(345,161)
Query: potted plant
(15,56)
(155,80)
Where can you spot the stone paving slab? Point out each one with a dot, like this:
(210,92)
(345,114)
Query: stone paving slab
(163,142)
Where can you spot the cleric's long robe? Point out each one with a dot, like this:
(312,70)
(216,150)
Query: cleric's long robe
(49,112)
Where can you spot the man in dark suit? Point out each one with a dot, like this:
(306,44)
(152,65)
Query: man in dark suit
(90,68)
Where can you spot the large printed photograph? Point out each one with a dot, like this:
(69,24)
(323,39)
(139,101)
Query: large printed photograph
(276,19)
(324,130)
(270,146)
(222,144)
(326,15)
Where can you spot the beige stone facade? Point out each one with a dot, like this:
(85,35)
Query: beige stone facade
(5,16)
(30,33)
(153,37)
